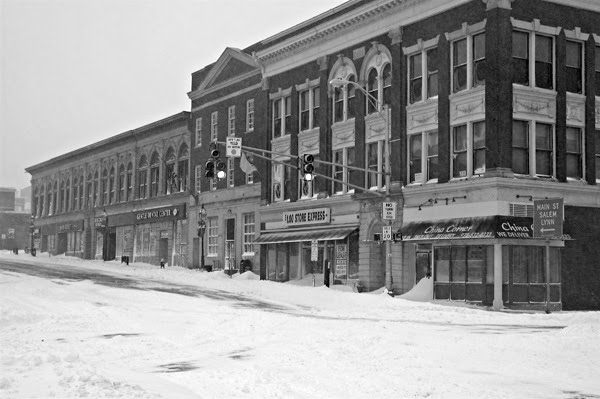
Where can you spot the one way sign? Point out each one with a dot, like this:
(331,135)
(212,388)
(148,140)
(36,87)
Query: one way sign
(548,218)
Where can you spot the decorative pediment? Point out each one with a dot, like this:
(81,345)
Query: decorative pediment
(231,66)
(422,117)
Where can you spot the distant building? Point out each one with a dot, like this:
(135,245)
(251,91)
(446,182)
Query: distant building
(14,224)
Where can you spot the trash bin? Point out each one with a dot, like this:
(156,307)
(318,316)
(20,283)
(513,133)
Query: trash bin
(32,251)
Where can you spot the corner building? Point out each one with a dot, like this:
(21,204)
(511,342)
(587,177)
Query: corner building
(484,106)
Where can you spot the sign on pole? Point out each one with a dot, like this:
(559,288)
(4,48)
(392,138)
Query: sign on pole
(389,211)
(234,147)
(548,218)
(387,233)
(314,250)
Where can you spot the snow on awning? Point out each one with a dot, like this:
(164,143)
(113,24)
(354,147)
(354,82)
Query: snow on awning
(297,235)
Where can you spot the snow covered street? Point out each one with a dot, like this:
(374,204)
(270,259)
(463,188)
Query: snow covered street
(240,337)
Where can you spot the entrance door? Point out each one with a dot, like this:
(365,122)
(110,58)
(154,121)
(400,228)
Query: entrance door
(163,249)
(423,264)
(62,244)
(112,246)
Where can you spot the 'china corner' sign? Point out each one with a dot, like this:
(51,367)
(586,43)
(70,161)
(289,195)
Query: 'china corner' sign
(468,228)
(307,217)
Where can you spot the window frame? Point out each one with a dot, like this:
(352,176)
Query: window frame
(231,120)
(469,151)
(198,132)
(471,63)
(311,106)
(340,169)
(250,115)
(214,126)
(579,154)
(248,233)
(425,158)
(578,70)
(212,233)
(533,148)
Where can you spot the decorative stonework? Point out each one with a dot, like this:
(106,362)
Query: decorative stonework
(468,105)
(575,114)
(281,146)
(375,126)
(491,4)
(343,134)
(528,102)
(597,113)
(308,142)
(422,117)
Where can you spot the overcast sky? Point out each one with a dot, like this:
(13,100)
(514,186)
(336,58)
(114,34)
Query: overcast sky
(74,72)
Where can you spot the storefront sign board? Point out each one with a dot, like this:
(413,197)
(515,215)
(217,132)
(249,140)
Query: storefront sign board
(307,217)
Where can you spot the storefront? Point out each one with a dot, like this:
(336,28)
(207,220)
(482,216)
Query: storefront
(150,235)
(488,260)
(70,238)
(310,243)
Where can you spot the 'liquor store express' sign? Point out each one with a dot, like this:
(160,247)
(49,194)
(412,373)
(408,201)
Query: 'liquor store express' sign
(307,216)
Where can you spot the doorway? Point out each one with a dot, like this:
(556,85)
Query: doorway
(163,249)
(423,262)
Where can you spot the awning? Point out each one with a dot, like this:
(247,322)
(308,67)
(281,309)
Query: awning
(309,234)
(469,228)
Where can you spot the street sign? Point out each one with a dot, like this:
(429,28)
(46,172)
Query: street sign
(387,233)
(389,211)
(548,218)
(234,147)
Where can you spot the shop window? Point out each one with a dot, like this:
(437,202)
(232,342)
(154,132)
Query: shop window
(341,173)
(309,102)
(574,154)
(533,148)
(468,150)
(249,230)
(198,132)
(423,76)
(250,115)
(525,268)
(212,232)
(468,62)
(442,264)
(423,157)
(540,48)
(574,61)
(458,264)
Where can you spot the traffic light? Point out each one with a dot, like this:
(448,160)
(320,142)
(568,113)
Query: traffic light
(307,167)
(209,169)
(214,163)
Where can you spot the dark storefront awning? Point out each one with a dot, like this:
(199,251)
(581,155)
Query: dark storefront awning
(309,234)
(469,228)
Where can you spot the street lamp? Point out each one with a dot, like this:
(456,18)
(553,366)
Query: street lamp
(340,82)
(201,231)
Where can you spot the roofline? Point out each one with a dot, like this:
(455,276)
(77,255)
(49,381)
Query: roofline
(112,139)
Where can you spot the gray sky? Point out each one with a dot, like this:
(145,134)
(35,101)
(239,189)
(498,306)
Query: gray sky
(73,72)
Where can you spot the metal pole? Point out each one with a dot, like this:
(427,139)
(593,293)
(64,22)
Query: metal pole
(547,275)
(202,253)
(389,281)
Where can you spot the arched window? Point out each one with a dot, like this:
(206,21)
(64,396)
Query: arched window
(154,174)
(90,192)
(96,190)
(182,168)
(81,194)
(61,198)
(122,184)
(111,185)
(67,203)
(170,175)
(142,177)
(129,182)
(75,193)
(105,187)
(344,101)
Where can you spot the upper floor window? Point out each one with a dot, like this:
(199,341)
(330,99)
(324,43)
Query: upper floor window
(282,115)
(379,83)
(423,157)
(142,178)
(90,192)
(122,184)
(344,101)
(129,182)
(342,158)
(574,60)
(231,121)
(105,187)
(533,59)
(597,155)
(597,70)
(170,178)
(111,186)
(533,148)
(423,76)
(199,176)
(574,153)
(80,202)
(468,62)
(376,164)
(198,132)
(468,150)
(309,101)
(250,115)
(230,170)
(183,165)
(75,194)
(214,131)
(154,174)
